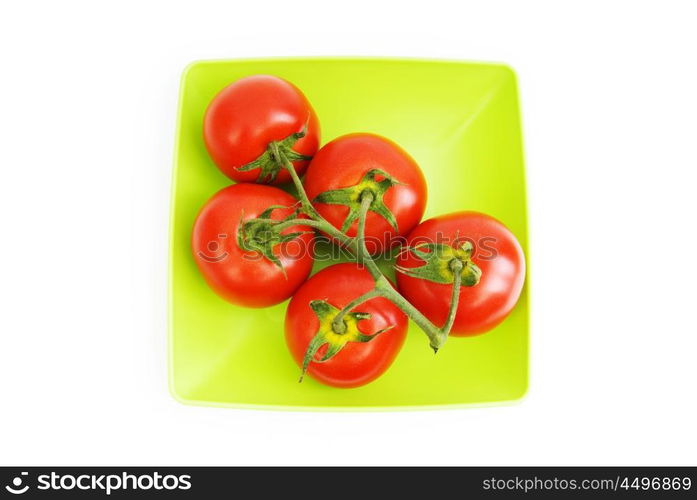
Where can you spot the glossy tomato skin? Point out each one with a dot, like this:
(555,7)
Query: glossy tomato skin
(357,363)
(242,277)
(248,114)
(344,161)
(496,252)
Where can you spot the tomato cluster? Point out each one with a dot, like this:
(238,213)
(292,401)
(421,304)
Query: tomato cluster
(458,274)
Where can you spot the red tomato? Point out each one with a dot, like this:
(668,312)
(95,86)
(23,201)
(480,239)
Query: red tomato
(357,363)
(498,255)
(250,113)
(344,162)
(242,277)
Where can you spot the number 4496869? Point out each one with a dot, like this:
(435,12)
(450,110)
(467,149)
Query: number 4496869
(656,483)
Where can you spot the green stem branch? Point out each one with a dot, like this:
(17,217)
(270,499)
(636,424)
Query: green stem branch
(318,221)
(338,324)
(435,335)
(383,287)
(301,222)
(367,260)
(456,266)
(305,202)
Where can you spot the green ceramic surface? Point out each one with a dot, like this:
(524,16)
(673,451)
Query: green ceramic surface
(460,121)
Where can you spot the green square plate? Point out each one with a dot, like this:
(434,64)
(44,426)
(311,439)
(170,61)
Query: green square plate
(460,121)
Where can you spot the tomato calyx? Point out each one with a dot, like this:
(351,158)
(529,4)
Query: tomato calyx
(376,182)
(442,262)
(263,233)
(335,338)
(275,158)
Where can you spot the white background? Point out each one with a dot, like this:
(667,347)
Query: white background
(88,94)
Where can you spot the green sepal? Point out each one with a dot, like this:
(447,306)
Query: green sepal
(437,266)
(269,164)
(335,342)
(351,197)
(261,234)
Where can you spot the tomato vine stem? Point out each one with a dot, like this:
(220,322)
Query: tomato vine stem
(366,200)
(457,268)
(383,288)
(338,324)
